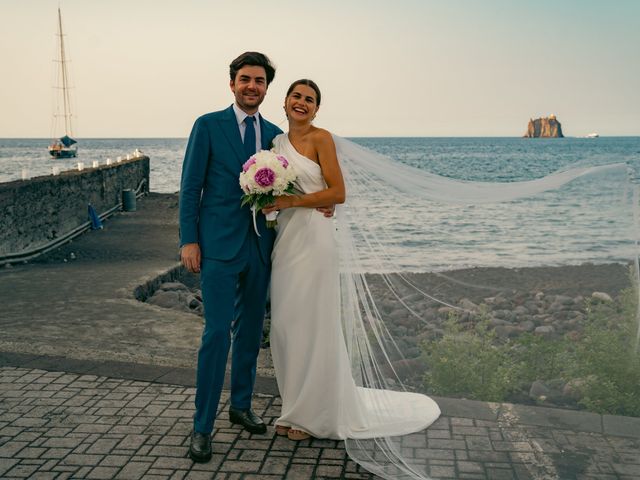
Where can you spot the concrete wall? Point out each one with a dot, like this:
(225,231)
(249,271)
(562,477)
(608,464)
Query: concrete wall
(36,211)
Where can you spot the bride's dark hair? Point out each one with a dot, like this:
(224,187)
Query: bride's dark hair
(308,83)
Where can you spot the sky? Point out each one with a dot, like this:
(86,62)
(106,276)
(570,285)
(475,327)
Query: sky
(432,68)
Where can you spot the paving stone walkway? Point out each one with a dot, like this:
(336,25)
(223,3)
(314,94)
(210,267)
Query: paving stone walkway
(58,425)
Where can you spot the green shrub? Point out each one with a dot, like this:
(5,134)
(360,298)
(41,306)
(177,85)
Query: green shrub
(539,358)
(604,360)
(469,364)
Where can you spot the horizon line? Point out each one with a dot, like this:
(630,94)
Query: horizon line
(345,136)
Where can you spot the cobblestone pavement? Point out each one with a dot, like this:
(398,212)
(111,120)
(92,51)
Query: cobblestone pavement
(57,425)
(61,425)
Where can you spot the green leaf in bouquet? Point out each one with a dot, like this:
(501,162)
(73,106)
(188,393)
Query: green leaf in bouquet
(264,200)
(247,199)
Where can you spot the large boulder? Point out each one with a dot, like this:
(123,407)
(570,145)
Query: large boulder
(548,391)
(545,330)
(167,299)
(544,127)
(601,296)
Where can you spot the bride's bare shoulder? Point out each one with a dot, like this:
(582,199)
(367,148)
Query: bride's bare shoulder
(322,136)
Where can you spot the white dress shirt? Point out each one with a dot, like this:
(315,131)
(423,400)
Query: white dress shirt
(240,116)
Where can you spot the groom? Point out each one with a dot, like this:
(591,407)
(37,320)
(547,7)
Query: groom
(218,240)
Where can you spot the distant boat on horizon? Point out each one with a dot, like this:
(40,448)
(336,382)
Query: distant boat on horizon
(592,135)
(65,146)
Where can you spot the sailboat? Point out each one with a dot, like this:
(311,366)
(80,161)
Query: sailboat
(65,146)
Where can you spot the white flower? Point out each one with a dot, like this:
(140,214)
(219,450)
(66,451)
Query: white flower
(266,172)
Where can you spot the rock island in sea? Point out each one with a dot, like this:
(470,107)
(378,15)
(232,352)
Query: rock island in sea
(548,127)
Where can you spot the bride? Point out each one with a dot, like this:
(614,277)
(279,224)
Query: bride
(320,396)
(332,347)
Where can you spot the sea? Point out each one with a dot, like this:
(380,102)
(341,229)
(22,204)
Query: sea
(590,220)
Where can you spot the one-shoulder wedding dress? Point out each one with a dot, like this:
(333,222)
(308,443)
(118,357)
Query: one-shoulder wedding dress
(319,394)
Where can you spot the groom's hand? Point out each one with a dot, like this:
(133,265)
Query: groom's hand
(327,211)
(190,257)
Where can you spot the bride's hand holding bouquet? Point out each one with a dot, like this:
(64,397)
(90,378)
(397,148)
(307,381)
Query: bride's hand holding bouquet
(279,203)
(265,178)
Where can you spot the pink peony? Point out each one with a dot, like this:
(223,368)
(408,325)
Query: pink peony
(265,177)
(283,161)
(248,163)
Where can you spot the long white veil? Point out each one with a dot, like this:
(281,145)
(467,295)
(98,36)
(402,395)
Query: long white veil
(418,252)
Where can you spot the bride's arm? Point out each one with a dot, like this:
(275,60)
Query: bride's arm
(335,191)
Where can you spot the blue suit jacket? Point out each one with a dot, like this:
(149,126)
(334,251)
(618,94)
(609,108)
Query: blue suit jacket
(210,193)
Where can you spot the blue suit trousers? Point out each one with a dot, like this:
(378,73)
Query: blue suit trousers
(234,294)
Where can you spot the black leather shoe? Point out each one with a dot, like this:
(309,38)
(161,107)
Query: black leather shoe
(200,447)
(249,420)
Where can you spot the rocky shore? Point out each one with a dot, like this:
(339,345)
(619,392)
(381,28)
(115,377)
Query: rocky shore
(550,302)
(517,300)
(545,300)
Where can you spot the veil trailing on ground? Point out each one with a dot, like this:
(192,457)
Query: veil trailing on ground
(449,288)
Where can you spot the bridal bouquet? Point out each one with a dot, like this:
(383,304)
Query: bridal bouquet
(265,176)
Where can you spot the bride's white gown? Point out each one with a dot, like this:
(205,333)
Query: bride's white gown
(310,357)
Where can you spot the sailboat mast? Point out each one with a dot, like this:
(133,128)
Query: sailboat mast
(65,87)
(64,146)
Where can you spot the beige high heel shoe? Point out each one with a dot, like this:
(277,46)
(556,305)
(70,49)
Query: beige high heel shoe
(282,430)
(297,435)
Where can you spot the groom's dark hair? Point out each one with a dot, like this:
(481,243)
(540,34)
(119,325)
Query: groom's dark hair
(255,59)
